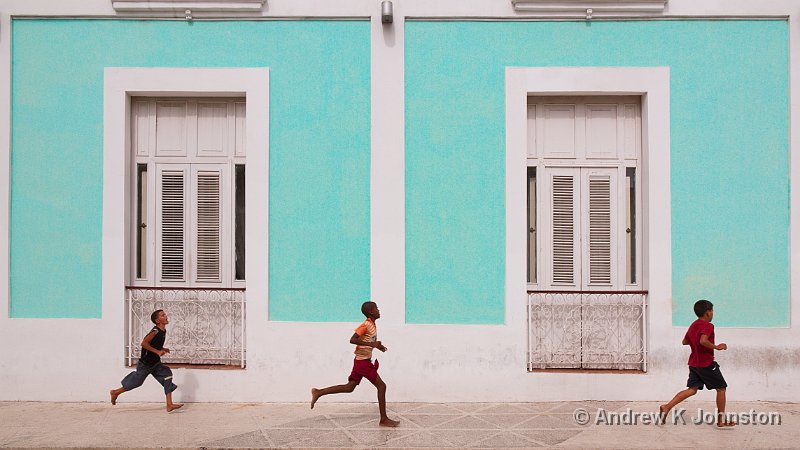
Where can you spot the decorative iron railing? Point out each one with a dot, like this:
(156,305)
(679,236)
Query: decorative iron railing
(587,330)
(206,326)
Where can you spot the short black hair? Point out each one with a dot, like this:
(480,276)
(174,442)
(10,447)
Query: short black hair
(366,307)
(701,306)
(154,316)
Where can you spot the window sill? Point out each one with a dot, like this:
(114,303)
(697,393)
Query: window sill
(198,366)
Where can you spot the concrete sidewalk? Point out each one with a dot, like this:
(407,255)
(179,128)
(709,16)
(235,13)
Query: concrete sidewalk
(422,425)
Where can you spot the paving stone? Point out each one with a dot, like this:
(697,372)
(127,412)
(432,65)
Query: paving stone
(334,439)
(465,438)
(549,421)
(380,436)
(436,409)
(428,420)
(549,437)
(313,422)
(345,421)
(467,423)
(253,439)
(506,440)
(504,420)
(420,439)
(506,408)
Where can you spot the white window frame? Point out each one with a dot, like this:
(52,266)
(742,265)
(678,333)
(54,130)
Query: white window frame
(123,83)
(652,83)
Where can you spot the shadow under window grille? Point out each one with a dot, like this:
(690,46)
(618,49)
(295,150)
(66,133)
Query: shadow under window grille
(587,330)
(206,326)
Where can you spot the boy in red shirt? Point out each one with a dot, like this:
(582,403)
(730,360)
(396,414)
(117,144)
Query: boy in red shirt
(703,370)
(365,339)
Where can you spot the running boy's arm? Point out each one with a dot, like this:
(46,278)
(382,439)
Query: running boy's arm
(146,344)
(707,344)
(356,340)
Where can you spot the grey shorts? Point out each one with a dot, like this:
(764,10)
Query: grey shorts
(159,371)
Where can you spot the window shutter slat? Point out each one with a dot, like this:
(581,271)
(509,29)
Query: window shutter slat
(599,230)
(208,226)
(172,225)
(563,196)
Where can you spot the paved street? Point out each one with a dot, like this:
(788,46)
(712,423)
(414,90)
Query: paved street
(355,425)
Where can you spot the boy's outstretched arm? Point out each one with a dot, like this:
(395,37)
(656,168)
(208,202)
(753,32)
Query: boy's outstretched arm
(356,340)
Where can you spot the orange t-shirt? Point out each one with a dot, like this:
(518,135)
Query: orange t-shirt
(368,332)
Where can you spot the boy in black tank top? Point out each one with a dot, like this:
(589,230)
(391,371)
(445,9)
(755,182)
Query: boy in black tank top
(150,362)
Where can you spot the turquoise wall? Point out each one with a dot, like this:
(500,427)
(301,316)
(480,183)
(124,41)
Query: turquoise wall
(319,154)
(729,158)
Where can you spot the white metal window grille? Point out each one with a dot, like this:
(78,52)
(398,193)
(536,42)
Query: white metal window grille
(584,292)
(188,247)
(572,330)
(206,325)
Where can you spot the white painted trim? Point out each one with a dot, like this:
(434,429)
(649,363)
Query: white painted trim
(653,84)
(5,166)
(387,168)
(119,85)
(302,9)
(589,8)
(194,5)
(794,171)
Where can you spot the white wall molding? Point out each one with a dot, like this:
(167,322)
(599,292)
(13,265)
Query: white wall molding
(188,9)
(387,167)
(589,8)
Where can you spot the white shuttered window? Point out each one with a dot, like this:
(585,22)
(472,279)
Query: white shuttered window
(191,212)
(583,154)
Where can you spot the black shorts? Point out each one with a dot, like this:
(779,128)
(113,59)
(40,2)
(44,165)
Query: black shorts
(709,376)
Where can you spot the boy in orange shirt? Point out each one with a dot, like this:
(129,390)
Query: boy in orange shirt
(365,339)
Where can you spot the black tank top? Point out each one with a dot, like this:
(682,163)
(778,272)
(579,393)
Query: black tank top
(157,343)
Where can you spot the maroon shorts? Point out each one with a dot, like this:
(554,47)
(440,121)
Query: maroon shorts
(364,368)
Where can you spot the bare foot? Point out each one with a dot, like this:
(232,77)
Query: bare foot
(174,406)
(113,397)
(314,396)
(662,414)
(387,422)
(726,424)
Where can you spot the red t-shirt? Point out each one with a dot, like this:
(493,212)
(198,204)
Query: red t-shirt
(701,356)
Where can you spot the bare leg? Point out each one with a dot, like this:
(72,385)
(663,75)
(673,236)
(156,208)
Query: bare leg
(338,389)
(721,400)
(115,393)
(172,406)
(679,397)
(385,420)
